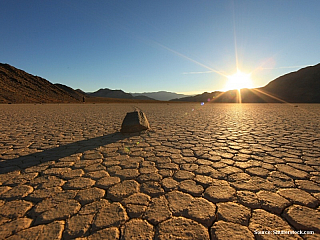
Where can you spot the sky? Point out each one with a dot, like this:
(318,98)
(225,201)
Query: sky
(183,46)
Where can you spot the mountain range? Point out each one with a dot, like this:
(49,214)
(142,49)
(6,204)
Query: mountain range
(18,86)
(161,95)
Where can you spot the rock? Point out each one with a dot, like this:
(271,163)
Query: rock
(169,183)
(135,210)
(248,199)
(96,175)
(229,230)
(202,211)
(47,182)
(308,186)
(17,192)
(107,182)
(181,228)
(178,202)
(77,225)
(89,195)
(203,180)
(111,233)
(134,122)
(137,229)
(191,187)
(292,172)
(14,209)
(39,194)
(253,184)
(123,190)
(55,209)
(280,179)
(220,191)
(151,188)
(233,212)
(127,173)
(72,174)
(303,218)
(136,204)
(299,196)
(109,216)
(79,183)
(15,226)
(94,207)
(263,222)
(272,202)
(49,231)
(183,175)
(149,177)
(138,199)
(158,210)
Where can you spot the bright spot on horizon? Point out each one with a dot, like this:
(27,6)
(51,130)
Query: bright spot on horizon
(239,80)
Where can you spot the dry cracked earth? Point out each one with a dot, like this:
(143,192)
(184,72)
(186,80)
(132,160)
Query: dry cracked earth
(217,171)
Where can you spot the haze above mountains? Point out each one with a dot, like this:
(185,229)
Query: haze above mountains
(17,86)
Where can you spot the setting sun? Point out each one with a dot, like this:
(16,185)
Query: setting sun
(239,80)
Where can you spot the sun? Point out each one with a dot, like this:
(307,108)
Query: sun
(239,80)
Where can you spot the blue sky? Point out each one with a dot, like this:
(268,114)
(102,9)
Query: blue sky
(184,46)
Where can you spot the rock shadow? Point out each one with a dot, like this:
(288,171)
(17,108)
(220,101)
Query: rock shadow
(54,154)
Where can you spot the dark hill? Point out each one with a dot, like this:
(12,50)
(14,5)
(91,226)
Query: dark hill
(300,86)
(17,86)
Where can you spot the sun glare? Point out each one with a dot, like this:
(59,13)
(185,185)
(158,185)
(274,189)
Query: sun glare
(239,80)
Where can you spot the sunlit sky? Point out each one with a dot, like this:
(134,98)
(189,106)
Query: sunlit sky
(184,46)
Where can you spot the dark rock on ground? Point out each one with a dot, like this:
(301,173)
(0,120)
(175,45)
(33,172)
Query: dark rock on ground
(134,122)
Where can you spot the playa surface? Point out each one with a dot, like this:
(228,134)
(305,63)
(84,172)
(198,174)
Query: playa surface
(211,171)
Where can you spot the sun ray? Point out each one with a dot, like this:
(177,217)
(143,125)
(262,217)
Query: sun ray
(235,38)
(190,59)
(270,95)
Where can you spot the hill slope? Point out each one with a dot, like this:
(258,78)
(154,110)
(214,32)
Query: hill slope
(17,86)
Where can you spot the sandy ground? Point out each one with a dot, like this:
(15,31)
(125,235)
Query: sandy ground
(211,171)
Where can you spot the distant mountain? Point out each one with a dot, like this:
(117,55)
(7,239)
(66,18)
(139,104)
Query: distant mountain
(141,97)
(301,86)
(108,93)
(161,95)
(198,98)
(17,86)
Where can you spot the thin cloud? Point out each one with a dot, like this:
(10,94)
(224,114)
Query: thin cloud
(197,72)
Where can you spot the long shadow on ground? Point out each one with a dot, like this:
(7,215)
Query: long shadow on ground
(53,154)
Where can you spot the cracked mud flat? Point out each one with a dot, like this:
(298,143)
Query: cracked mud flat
(218,171)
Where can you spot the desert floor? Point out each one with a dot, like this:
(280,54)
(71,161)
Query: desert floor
(211,171)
